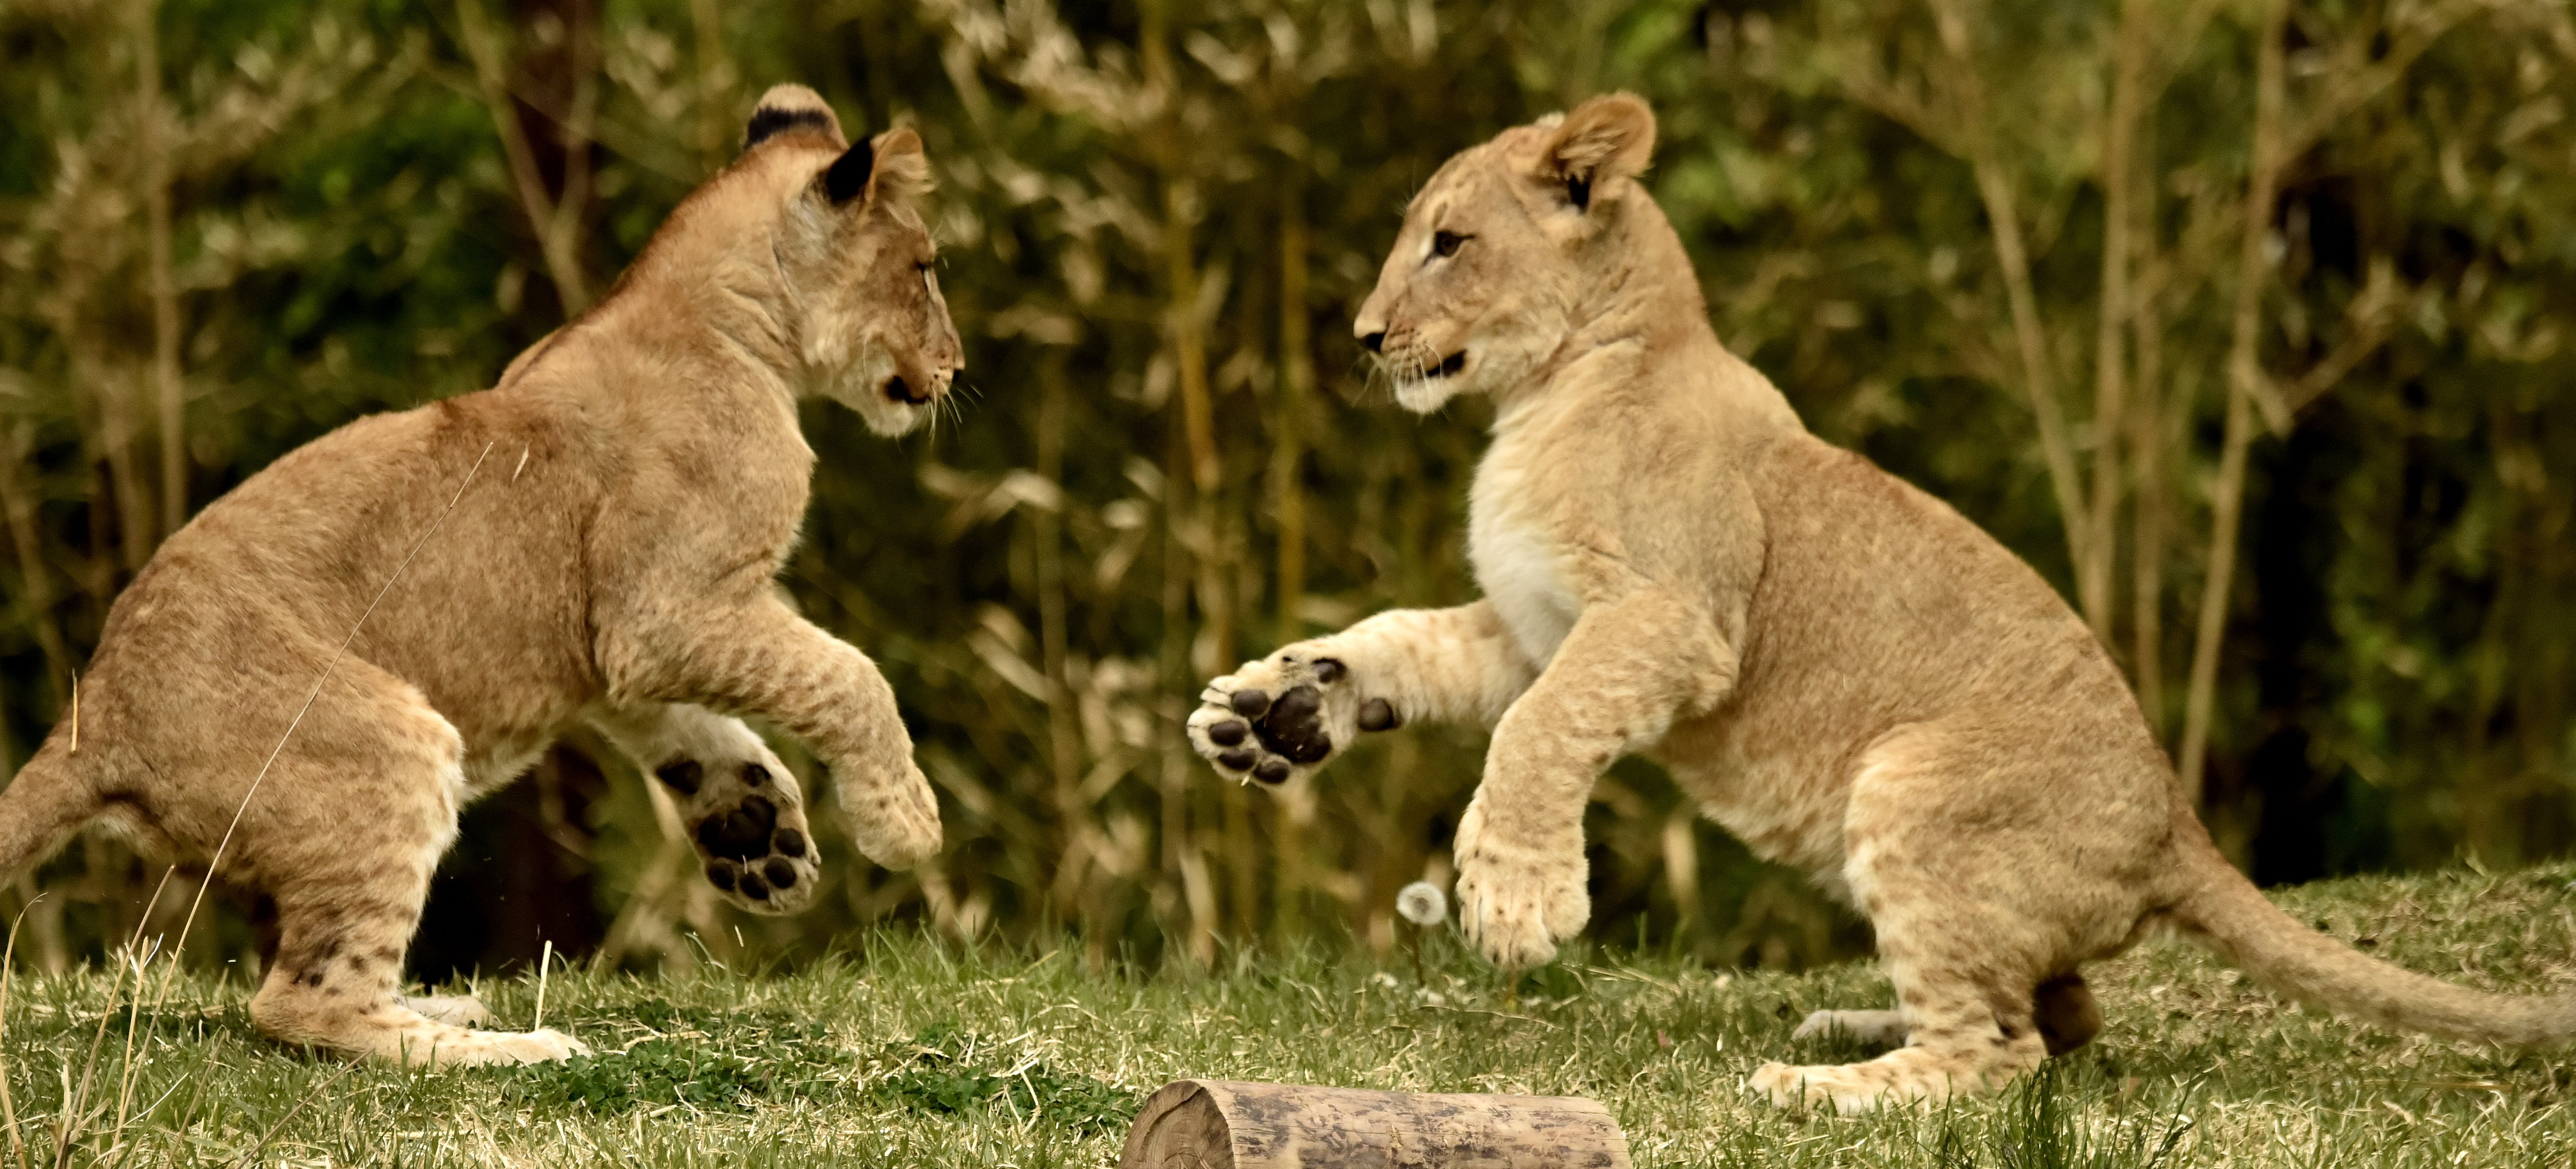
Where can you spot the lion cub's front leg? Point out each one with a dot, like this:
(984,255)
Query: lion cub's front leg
(761,658)
(1627,669)
(742,808)
(1283,716)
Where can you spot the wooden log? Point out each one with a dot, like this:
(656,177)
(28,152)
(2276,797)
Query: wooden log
(1222,1124)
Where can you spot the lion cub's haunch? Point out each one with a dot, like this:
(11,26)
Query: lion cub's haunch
(620,502)
(1841,670)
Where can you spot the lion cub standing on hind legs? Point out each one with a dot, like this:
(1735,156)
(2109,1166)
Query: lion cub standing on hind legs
(1842,671)
(620,502)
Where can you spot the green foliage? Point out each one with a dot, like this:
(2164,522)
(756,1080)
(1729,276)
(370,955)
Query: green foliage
(1142,206)
(939,1070)
(2196,1067)
(649,1074)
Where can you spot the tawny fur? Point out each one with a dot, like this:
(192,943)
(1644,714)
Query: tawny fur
(1840,669)
(641,478)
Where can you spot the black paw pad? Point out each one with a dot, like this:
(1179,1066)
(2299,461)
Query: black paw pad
(720,874)
(1250,703)
(754,887)
(682,777)
(754,775)
(1272,771)
(1227,734)
(1237,759)
(780,873)
(1329,670)
(1378,714)
(788,842)
(742,833)
(1292,728)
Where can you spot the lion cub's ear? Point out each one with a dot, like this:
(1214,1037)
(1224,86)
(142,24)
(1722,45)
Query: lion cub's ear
(1605,139)
(790,107)
(890,166)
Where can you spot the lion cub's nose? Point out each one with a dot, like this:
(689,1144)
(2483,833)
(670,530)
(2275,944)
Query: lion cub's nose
(1374,341)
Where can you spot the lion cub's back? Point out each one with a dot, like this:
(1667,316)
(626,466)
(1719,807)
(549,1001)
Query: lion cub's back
(1880,605)
(280,568)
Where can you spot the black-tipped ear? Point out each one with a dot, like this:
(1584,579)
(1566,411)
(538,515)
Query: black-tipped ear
(849,174)
(768,121)
(790,107)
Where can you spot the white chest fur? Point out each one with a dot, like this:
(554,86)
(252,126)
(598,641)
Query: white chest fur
(1516,560)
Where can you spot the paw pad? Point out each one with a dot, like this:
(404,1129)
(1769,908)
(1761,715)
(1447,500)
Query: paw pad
(682,777)
(742,833)
(1290,721)
(747,820)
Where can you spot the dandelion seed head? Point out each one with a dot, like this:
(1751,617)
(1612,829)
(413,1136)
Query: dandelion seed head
(1422,903)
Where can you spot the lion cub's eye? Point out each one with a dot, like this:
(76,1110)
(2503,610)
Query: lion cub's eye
(1446,243)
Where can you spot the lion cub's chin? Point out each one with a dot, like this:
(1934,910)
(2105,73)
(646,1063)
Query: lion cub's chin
(888,419)
(865,391)
(1424,395)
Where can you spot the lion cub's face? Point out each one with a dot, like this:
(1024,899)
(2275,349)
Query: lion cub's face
(1501,250)
(857,262)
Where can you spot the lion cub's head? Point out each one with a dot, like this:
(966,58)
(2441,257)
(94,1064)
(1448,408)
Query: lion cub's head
(854,260)
(1504,250)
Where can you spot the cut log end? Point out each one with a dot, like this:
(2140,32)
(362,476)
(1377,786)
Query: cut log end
(1223,1124)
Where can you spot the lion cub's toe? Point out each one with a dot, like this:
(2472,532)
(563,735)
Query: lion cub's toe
(1283,717)
(459,1010)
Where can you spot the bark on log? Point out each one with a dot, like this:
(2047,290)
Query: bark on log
(1220,1124)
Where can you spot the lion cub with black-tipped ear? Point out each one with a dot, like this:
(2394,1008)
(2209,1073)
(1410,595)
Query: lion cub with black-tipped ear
(1841,670)
(590,540)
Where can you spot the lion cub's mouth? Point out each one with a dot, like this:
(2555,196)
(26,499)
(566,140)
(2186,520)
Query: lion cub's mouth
(899,390)
(1448,365)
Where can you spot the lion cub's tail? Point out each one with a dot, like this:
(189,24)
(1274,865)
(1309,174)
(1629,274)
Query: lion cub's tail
(39,809)
(2233,917)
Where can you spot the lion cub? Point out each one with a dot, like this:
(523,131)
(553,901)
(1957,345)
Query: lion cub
(1842,671)
(591,540)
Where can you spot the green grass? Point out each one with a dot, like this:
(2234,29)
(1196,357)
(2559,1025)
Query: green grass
(908,1051)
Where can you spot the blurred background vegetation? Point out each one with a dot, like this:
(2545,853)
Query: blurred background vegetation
(2244,321)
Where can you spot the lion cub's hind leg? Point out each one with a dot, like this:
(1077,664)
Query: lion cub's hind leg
(1867,1028)
(2063,1008)
(741,807)
(347,828)
(1959,909)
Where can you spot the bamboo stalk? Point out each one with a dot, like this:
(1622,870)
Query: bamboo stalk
(2243,372)
(2030,339)
(155,151)
(548,221)
(1046,530)
(18,512)
(2110,368)
(715,84)
(1296,388)
(2147,517)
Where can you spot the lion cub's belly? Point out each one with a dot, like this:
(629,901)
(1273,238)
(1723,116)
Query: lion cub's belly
(1517,569)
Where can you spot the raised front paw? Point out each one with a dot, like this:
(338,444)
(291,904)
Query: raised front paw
(747,819)
(1515,902)
(1280,718)
(893,818)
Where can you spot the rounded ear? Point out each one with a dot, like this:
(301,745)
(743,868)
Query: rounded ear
(889,166)
(1607,138)
(790,107)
